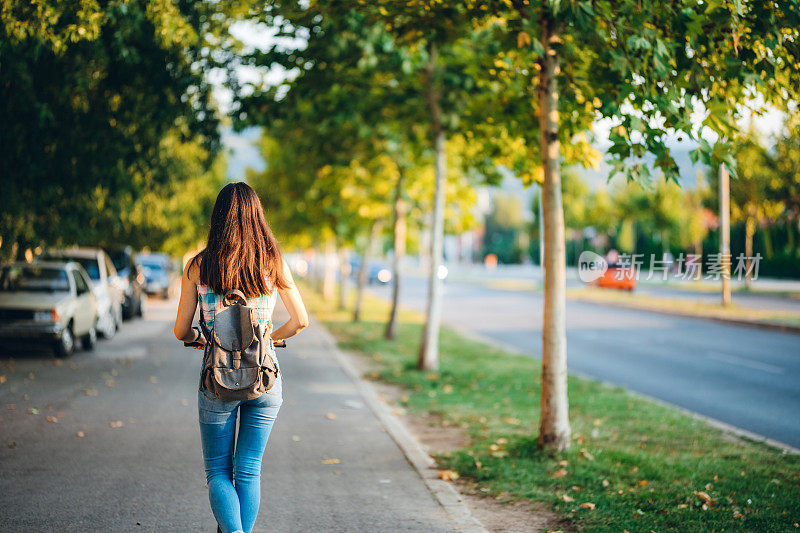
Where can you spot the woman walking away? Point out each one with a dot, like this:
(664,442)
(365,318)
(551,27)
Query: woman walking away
(237,279)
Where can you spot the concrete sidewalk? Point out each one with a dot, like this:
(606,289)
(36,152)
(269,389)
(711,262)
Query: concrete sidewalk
(329,465)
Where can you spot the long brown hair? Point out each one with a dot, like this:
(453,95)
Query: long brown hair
(241,252)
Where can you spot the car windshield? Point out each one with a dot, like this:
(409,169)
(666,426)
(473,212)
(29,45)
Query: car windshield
(89,263)
(153,263)
(33,279)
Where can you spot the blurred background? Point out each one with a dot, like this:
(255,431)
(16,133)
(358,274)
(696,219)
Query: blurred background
(437,173)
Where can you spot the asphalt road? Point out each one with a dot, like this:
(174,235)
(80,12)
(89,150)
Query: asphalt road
(746,377)
(329,465)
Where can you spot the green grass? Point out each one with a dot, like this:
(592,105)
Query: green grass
(639,462)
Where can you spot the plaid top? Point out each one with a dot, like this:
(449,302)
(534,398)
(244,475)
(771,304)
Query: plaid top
(210,303)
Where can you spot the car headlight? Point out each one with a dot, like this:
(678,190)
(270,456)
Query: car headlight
(45,316)
(384,275)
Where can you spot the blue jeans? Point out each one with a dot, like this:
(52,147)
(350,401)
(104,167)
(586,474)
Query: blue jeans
(234,478)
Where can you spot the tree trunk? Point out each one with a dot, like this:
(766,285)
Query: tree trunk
(343,267)
(399,251)
(725,233)
(362,271)
(329,276)
(429,346)
(554,428)
(749,233)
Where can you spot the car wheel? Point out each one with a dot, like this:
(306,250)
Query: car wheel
(89,341)
(66,344)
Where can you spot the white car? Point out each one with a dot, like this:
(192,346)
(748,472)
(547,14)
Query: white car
(106,284)
(50,302)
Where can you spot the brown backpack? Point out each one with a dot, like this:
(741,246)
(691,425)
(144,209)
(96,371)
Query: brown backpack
(237,363)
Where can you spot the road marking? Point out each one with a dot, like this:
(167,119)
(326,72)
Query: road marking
(741,361)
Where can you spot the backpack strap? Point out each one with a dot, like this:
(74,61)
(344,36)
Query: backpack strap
(233,295)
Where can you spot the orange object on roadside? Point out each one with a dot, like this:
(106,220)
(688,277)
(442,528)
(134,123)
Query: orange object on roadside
(617,277)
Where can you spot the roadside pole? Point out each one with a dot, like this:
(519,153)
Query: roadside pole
(725,233)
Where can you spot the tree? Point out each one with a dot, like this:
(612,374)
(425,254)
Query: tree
(645,66)
(90,93)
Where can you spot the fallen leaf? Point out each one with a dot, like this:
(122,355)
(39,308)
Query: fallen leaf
(682,506)
(559,473)
(447,475)
(2,379)
(330,461)
(568,499)
(330,416)
(705,498)
(587,505)
(51,419)
(115,424)
(57,362)
(11,407)
(90,392)
(12,444)
(606,483)
(586,455)
(153,379)
(739,516)
(432,376)
(32,411)
(447,389)
(80,434)
(501,441)
(563,463)
(642,482)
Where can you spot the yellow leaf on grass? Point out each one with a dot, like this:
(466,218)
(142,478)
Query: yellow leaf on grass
(586,455)
(559,473)
(587,505)
(568,499)
(447,475)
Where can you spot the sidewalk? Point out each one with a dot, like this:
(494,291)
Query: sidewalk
(330,464)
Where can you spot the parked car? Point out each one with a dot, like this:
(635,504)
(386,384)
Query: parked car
(160,274)
(617,277)
(130,279)
(105,284)
(48,302)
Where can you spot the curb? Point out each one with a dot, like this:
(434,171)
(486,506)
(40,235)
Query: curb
(724,426)
(447,496)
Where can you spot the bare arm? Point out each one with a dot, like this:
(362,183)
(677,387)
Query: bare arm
(298,316)
(186,307)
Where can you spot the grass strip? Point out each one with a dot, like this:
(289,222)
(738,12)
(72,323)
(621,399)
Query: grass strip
(634,464)
(685,307)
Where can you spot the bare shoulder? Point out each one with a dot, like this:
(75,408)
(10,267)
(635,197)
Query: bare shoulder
(192,271)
